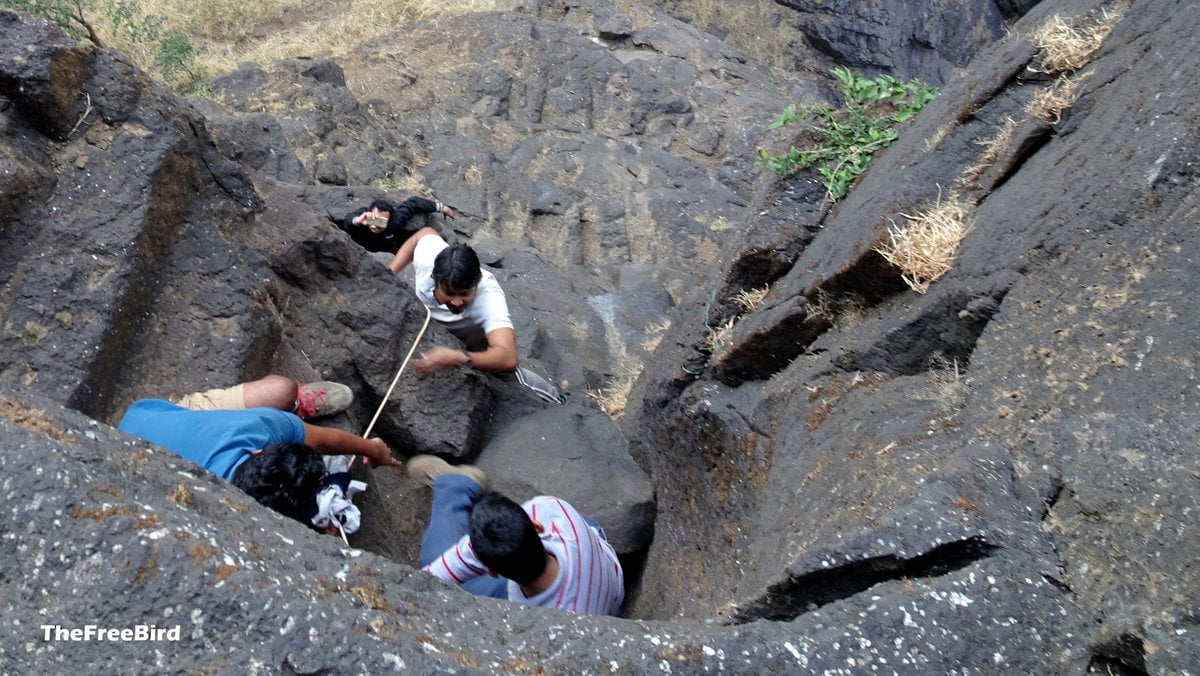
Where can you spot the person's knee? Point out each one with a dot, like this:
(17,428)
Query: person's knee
(272,391)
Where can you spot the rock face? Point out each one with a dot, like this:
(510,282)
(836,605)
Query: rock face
(926,39)
(992,476)
(857,436)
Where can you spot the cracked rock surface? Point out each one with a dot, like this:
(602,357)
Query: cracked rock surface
(997,475)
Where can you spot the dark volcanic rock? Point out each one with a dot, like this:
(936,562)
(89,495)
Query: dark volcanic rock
(993,476)
(1029,408)
(926,40)
(119,534)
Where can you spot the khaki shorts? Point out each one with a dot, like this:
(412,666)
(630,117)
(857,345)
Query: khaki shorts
(227,398)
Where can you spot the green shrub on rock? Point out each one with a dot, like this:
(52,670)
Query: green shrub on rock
(846,139)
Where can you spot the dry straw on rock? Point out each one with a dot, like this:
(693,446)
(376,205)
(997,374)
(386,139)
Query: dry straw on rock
(612,399)
(992,148)
(1048,103)
(751,299)
(925,248)
(1066,45)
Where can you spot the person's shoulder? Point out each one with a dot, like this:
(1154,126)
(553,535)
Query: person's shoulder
(428,243)
(488,282)
(550,502)
(147,413)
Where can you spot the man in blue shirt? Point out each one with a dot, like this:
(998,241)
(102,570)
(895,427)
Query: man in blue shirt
(249,436)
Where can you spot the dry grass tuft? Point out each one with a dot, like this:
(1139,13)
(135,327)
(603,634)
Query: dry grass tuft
(410,183)
(948,386)
(612,399)
(820,307)
(654,335)
(939,135)
(33,419)
(751,299)
(758,27)
(925,248)
(183,495)
(1066,45)
(1049,102)
(226,32)
(992,148)
(844,310)
(473,175)
(718,338)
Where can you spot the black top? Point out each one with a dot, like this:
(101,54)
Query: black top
(397,230)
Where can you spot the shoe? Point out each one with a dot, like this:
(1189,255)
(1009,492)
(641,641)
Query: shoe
(544,389)
(322,398)
(429,467)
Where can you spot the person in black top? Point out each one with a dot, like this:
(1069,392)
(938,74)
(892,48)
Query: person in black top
(383,225)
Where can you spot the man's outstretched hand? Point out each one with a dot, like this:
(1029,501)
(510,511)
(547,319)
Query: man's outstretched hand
(439,358)
(381,455)
(448,212)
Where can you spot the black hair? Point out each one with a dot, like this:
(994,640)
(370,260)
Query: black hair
(383,205)
(456,268)
(504,539)
(284,477)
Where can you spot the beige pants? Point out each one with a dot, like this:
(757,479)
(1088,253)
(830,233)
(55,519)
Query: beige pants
(226,398)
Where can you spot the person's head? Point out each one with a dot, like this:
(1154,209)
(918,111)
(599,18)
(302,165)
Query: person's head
(384,207)
(505,540)
(284,477)
(456,273)
(378,216)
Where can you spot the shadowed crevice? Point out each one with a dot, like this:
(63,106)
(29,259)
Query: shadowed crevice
(1125,654)
(946,330)
(801,594)
(172,193)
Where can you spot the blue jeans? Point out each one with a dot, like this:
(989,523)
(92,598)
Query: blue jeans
(449,519)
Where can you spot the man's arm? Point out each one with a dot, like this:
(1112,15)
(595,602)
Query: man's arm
(330,441)
(404,254)
(499,357)
(457,564)
(351,219)
(420,205)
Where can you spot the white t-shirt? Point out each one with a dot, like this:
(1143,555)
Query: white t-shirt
(487,312)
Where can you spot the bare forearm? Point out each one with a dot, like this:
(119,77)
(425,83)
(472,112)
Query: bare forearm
(495,359)
(404,254)
(330,441)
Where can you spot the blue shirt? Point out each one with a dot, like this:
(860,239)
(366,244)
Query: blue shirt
(218,440)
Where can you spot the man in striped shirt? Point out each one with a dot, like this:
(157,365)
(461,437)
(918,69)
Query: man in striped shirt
(542,553)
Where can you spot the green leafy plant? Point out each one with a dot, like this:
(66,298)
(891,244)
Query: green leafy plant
(846,139)
(168,52)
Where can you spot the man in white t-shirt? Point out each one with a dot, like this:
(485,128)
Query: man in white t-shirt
(468,301)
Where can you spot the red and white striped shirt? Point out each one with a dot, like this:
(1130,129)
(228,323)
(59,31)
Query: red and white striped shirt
(589,578)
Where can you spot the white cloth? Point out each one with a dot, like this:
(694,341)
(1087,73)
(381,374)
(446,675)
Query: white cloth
(487,312)
(334,505)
